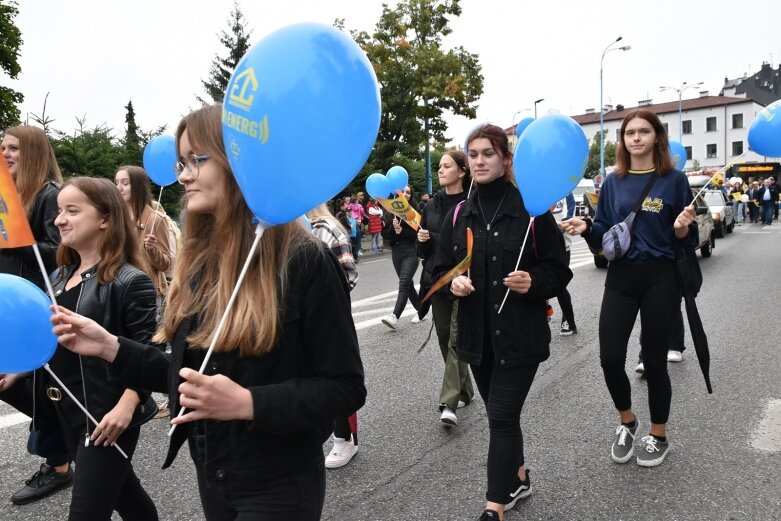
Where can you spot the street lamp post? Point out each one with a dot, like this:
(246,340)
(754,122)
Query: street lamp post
(535,106)
(680,90)
(601,104)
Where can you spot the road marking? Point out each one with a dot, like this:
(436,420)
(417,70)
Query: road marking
(767,436)
(378,320)
(9,420)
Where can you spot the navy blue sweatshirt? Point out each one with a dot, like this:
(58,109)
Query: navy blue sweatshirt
(653,235)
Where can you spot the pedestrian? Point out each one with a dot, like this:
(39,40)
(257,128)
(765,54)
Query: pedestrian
(402,239)
(33,167)
(753,202)
(568,326)
(736,194)
(284,367)
(424,199)
(768,199)
(644,279)
(456,388)
(503,349)
(358,214)
(375,225)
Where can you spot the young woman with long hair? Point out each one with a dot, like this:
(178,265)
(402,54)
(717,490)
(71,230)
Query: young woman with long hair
(644,280)
(454,179)
(503,349)
(285,366)
(34,168)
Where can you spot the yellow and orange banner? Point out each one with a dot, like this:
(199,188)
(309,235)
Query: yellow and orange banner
(14,229)
(459,268)
(400,208)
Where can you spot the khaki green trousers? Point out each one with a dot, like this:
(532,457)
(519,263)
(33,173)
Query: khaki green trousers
(456,382)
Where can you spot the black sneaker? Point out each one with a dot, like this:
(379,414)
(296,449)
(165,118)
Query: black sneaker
(520,490)
(489,515)
(566,329)
(44,482)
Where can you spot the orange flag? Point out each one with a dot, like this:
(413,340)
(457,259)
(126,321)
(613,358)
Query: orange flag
(459,268)
(14,229)
(401,209)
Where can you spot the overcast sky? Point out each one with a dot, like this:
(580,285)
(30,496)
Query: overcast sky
(95,55)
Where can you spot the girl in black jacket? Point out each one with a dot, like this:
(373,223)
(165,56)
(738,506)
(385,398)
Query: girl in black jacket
(503,349)
(284,367)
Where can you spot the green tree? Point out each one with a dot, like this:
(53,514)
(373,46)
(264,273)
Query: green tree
(131,143)
(237,41)
(10,43)
(592,168)
(88,151)
(419,79)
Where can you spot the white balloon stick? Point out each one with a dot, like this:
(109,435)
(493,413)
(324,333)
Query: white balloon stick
(518,262)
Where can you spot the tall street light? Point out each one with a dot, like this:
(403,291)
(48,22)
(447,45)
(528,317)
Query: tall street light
(535,106)
(519,112)
(680,90)
(602,106)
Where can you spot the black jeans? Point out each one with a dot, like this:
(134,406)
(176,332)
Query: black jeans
(405,262)
(651,289)
(565,302)
(504,390)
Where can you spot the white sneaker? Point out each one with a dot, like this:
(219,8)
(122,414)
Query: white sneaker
(448,417)
(640,368)
(341,454)
(417,320)
(390,321)
(674,356)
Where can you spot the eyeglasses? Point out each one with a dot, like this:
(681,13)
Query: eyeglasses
(193,165)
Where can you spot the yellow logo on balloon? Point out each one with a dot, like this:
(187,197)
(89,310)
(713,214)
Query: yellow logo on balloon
(243,92)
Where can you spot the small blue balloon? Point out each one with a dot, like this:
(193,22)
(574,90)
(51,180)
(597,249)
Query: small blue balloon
(377,186)
(398,178)
(550,160)
(160,159)
(28,342)
(522,124)
(311,76)
(764,135)
(678,154)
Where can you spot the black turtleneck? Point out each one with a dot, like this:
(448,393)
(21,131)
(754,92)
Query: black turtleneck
(489,197)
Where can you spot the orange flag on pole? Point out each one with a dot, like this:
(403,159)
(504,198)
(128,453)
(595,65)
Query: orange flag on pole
(459,268)
(401,209)
(14,229)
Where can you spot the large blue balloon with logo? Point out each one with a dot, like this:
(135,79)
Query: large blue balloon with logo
(300,117)
(27,339)
(550,160)
(764,135)
(160,159)
(678,155)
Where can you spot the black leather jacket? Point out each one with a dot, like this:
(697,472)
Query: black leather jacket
(125,306)
(520,334)
(432,217)
(21,261)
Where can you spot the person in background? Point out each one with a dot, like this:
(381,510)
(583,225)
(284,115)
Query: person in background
(768,199)
(375,225)
(33,167)
(424,199)
(753,202)
(402,239)
(358,215)
(568,326)
(454,178)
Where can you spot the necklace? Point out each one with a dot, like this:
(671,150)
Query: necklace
(480,206)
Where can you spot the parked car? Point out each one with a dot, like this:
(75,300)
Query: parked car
(721,210)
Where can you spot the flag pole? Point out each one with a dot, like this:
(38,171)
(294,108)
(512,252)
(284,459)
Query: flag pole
(518,262)
(721,170)
(258,234)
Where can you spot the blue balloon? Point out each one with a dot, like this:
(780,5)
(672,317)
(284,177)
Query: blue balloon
(764,135)
(398,178)
(678,154)
(28,342)
(522,124)
(377,186)
(550,159)
(299,119)
(159,160)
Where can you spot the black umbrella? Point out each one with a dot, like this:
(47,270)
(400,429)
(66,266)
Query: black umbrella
(699,338)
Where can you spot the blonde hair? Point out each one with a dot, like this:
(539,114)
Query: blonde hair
(212,255)
(37,163)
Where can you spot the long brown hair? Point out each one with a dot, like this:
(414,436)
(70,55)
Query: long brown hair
(37,163)
(118,244)
(460,158)
(213,252)
(500,144)
(140,190)
(662,160)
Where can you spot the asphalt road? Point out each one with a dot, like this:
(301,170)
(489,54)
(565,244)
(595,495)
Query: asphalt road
(724,463)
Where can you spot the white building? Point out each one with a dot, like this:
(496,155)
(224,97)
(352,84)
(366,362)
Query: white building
(714,129)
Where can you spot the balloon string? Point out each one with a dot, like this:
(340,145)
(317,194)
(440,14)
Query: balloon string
(78,404)
(518,262)
(159,198)
(258,234)
(721,170)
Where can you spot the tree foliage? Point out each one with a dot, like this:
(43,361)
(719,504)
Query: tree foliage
(10,43)
(237,42)
(131,143)
(592,168)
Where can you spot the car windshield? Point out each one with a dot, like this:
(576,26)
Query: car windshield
(714,198)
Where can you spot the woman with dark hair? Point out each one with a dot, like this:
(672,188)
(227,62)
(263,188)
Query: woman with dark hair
(285,365)
(644,279)
(503,349)
(151,226)
(454,179)
(402,239)
(33,166)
